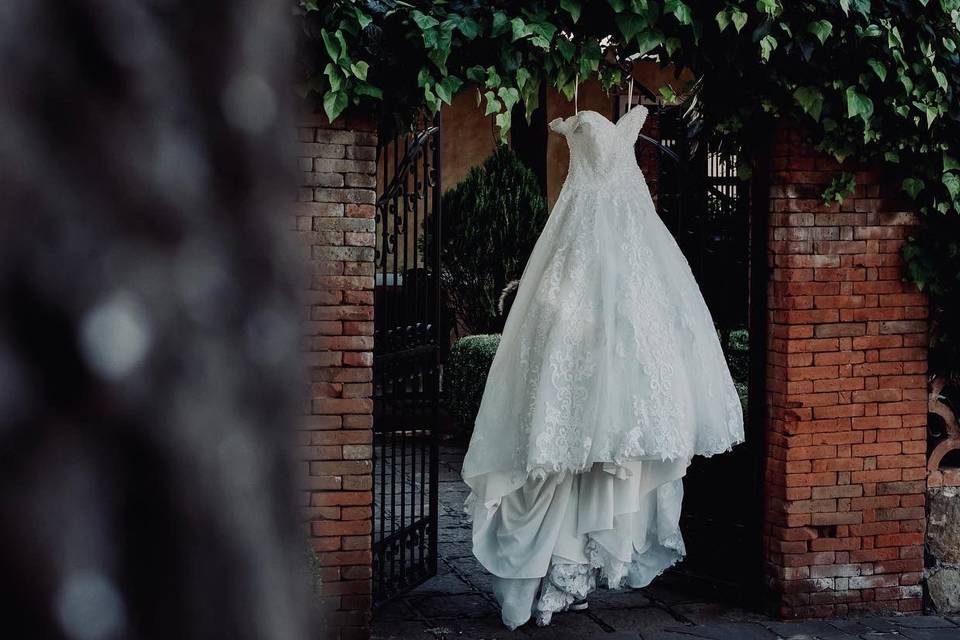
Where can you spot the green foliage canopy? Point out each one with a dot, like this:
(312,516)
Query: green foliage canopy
(874,79)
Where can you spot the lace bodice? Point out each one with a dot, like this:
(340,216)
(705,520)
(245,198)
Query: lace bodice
(601,150)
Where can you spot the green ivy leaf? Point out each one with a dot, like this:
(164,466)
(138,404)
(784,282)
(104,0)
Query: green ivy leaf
(331,45)
(448,87)
(424,77)
(572,7)
(767,44)
(442,93)
(648,39)
(566,48)
(423,21)
(907,83)
(952,182)
(334,76)
(950,163)
(821,29)
(523,75)
(476,73)
(430,99)
(531,96)
(509,96)
(543,33)
(519,29)
(344,50)
(739,19)
(360,69)
(468,27)
(913,186)
(493,105)
(500,25)
(438,41)
(723,19)
(840,188)
(680,11)
(878,68)
(334,102)
(859,105)
(894,41)
(630,24)
(362,18)
(590,58)
(493,78)
(940,77)
(845,5)
(668,94)
(810,100)
(769,7)
(503,124)
(365,89)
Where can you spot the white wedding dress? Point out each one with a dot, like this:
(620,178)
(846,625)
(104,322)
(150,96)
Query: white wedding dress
(609,377)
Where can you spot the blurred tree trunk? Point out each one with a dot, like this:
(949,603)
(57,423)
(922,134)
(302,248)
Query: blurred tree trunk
(149,372)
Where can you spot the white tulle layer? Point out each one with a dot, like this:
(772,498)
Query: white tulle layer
(556,536)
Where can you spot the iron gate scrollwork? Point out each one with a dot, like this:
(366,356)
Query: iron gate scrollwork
(406,362)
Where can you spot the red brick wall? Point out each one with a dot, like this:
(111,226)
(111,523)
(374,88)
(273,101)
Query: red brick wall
(846,390)
(335,223)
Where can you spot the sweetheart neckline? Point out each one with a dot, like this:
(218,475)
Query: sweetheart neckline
(615,124)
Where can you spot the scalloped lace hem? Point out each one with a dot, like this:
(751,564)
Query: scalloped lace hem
(567,582)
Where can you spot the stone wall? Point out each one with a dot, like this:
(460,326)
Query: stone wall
(943,545)
(334,219)
(846,393)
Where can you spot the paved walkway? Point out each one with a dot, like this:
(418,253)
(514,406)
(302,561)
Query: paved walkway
(457,603)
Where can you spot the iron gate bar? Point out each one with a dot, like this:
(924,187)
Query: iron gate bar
(407,352)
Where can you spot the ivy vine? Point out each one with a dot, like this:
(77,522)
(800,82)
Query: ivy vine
(871,79)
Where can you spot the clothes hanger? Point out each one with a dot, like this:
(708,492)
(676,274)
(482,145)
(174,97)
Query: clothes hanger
(576,85)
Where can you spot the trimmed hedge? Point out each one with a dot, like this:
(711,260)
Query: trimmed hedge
(465,375)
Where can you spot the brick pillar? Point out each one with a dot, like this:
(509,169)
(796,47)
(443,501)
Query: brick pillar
(335,222)
(846,389)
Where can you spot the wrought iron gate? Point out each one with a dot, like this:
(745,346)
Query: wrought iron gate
(708,210)
(406,362)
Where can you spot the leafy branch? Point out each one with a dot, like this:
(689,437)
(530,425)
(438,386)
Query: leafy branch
(870,79)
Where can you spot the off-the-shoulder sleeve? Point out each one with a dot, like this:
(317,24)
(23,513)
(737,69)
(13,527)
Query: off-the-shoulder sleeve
(632,122)
(560,125)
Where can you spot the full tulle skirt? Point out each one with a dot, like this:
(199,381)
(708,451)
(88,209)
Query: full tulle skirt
(608,379)
(561,535)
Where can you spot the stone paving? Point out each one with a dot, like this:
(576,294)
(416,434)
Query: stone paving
(457,603)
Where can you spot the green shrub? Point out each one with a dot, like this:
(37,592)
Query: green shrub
(465,375)
(490,223)
(738,360)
